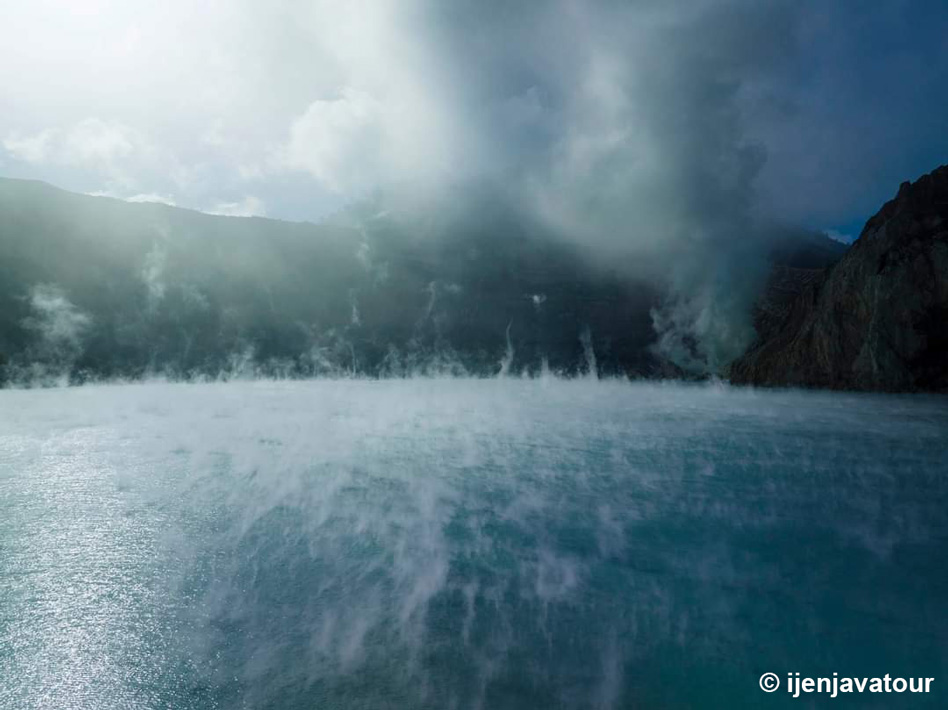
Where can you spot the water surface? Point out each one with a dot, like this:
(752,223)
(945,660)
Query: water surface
(466,544)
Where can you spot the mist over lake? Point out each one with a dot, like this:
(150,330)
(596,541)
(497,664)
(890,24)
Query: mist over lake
(466,543)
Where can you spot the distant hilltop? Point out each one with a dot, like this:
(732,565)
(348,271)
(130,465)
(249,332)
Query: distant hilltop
(877,319)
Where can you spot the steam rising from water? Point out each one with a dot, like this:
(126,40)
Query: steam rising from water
(660,135)
(462,543)
(624,129)
(58,326)
(620,127)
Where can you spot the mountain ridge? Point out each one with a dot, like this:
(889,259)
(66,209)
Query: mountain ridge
(878,318)
(94,287)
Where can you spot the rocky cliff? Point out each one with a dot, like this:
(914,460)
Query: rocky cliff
(877,319)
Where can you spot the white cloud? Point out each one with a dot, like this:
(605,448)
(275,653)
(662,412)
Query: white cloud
(102,142)
(30,149)
(214,135)
(113,150)
(250,172)
(338,141)
(146,197)
(195,99)
(91,141)
(153,197)
(249,206)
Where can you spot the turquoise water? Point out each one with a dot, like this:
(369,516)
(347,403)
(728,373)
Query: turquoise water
(467,544)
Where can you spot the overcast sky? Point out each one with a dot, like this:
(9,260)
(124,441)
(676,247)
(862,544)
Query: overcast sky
(810,111)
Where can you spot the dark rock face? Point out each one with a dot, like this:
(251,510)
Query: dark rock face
(876,320)
(784,285)
(797,261)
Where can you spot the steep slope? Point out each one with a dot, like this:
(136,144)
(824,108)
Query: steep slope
(878,319)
